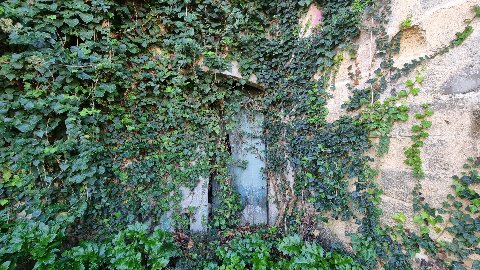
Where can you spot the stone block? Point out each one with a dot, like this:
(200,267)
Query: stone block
(397,184)
(391,206)
(197,200)
(467,80)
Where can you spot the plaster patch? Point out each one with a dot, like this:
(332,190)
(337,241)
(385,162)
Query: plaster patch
(312,19)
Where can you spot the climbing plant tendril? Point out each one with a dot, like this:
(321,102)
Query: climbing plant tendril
(108,108)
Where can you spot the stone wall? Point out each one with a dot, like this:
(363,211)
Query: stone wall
(452,86)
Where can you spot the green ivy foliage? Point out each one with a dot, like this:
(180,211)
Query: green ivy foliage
(262,251)
(36,245)
(108,107)
(104,114)
(450,234)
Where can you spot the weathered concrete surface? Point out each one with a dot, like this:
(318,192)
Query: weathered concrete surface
(247,146)
(196,201)
(233,72)
(464,83)
(452,86)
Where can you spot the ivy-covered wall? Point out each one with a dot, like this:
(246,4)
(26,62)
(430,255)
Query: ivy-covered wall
(450,85)
(115,115)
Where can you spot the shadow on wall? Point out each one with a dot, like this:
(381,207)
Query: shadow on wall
(476,124)
(465,82)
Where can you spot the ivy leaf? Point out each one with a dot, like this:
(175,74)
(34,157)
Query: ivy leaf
(418,219)
(416,128)
(476,9)
(86,17)
(6,265)
(6,175)
(304,3)
(424,230)
(86,35)
(402,116)
(419,116)
(86,111)
(458,266)
(78,178)
(426,124)
(428,112)
(10,76)
(415,91)
(24,127)
(466,179)
(49,150)
(64,166)
(419,79)
(476,264)
(72,22)
(399,217)
(290,245)
(402,94)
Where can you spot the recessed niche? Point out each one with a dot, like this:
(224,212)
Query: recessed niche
(413,42)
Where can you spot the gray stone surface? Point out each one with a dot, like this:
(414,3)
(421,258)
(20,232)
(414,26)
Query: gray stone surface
(391,206)
(196,200)
(429,4)
(468,80)
(434,154)
(248,147)
(397,184)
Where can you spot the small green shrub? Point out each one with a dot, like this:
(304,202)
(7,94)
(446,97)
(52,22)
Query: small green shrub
(135,248)
(37,245)
(407,23)
(31,244)
(261,251)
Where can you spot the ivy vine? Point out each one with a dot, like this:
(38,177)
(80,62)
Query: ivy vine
(108,108)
